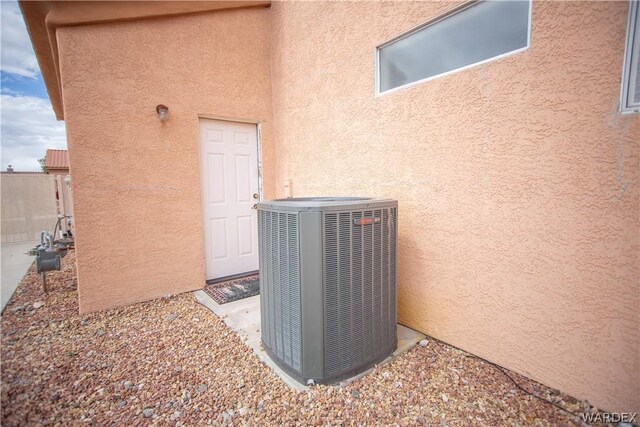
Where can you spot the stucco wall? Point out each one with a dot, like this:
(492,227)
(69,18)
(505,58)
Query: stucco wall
(517,182)
(136,181)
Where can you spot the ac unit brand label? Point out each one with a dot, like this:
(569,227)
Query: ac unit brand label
(366,221)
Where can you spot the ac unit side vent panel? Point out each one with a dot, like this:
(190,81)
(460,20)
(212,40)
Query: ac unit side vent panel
(280,286)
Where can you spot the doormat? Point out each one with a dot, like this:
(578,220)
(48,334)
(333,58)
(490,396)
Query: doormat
(234,290)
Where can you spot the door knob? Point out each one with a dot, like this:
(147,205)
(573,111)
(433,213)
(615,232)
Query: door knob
(255,206)
(255,196)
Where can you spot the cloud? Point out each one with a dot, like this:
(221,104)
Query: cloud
(17,55)
(27,128)
(27,123)
(9,91)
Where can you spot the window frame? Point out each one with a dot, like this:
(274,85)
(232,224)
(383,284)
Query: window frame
(434,21)
(633,26)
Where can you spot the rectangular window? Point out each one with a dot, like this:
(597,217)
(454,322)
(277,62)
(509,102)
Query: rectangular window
(471,34)
(630,97)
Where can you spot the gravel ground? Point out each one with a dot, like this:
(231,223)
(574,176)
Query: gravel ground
(173,362)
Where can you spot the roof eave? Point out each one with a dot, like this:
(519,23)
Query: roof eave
(35,14)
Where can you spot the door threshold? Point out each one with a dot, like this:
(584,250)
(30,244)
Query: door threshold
(232,277)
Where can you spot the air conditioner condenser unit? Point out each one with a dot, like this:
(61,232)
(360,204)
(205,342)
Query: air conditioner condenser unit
(328,284)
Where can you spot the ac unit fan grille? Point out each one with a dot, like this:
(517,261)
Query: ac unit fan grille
(323,199)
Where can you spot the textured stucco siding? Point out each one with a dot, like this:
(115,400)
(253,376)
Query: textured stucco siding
(136,181)
(517,182)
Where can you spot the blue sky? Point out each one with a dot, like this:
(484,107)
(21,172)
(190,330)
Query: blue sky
(27,123)
(27,86)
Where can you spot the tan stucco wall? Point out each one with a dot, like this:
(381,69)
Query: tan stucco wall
(517,182)
(44,17)
(136,181)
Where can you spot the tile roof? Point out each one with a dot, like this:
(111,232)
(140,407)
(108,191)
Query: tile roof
(56,159)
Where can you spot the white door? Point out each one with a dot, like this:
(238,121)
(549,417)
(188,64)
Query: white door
(229,168)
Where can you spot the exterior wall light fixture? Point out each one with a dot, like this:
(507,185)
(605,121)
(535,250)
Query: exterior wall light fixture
(163,112)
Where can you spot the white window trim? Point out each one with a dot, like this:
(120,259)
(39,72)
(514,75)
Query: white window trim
(446,15)
(627,68)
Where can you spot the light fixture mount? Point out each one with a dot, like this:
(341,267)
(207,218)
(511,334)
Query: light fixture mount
(163,112)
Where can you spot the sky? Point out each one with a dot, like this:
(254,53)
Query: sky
(28,125)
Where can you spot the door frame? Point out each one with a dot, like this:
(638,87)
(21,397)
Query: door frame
(258,125)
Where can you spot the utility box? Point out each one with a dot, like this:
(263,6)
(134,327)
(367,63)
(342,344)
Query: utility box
(328,284)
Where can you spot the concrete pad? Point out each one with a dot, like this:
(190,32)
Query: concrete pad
(15,263)
(243,317)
